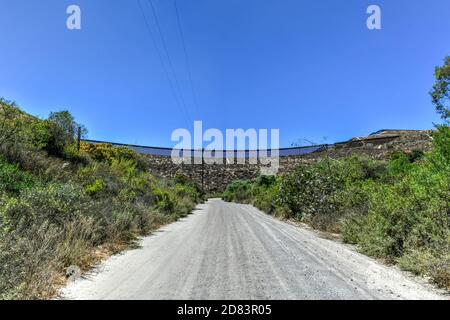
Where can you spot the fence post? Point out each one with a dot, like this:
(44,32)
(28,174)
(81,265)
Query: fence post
(79,138)
(203,171)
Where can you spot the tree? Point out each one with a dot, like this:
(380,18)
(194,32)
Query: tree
(441,90)
(64,131)
(11,122)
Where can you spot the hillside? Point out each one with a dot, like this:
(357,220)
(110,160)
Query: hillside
(215,178)
(64,207)
(388,193)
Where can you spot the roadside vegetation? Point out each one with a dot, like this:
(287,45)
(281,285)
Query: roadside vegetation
(63,204)
(397,210)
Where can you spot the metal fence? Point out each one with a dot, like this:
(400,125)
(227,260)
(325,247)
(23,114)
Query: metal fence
(167,152)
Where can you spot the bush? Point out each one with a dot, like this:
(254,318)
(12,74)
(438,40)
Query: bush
(11,123)
(238,191)
(165,201)
(62,133)
(440,156)
(309,191)
(357,177)
(408,219)
(95,188)
(106,152)
(265,181)
(55,204)
(13,180)
(194,188)
(27,259)
(266,195)
(401,162)
(39,134)
(187,191)
(43,230)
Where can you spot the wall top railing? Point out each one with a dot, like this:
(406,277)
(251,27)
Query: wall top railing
(376,138)
(379,137)
(167,152)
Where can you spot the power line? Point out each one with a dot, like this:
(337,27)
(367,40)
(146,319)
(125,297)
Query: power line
(167,55)
(186,56)
(173,90)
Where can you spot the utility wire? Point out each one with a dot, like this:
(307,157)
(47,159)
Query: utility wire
(186,56)
(173,90)
(167,55)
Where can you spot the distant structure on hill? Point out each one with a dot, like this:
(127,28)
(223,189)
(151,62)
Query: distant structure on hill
(378,138)
(214,178)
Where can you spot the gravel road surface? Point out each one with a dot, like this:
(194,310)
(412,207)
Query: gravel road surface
(232,251)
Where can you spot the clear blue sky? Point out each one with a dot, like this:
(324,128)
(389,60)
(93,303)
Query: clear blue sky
(308,67)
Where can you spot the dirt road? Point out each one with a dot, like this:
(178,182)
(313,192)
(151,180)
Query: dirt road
(232,251)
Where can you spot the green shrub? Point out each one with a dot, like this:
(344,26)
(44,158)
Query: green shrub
(38,133)
(266,195)
(352,227)
(62,134)
(165,200)
(106,152)
(309,190)
(182,179)
(187,191)
(54,203)
(13,180)
(12,123)
(433,262)
(400,163)
(27,261)
(358,168)
(265,181)
(185,181)
(440,155)
(95,188)
(238,191)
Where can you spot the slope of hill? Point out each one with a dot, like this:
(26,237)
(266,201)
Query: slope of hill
(395,206)
(64,206)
